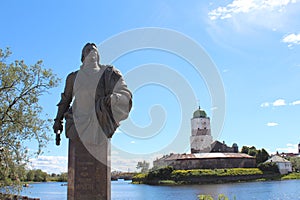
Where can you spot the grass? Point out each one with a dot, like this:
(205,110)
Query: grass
(216,172)
(208,197)
(294,175)
(169,176)
(167,182)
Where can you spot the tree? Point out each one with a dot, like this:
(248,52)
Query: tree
(252,151)
(21,118)
(261,156)
(63,177)
(40,176)
(30,175)
(245,149)
(295,163)
(269,167)
(144,166)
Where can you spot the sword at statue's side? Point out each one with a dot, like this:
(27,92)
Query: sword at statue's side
(57,137)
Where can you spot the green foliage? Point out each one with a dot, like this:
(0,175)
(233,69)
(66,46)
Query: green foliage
(205,197)
(252,151)
(181,176)
(161,173)
(260,155)
(21,87)
(144,166)
(209,197)
(295,163)
(268,167)
(40,176)
(167,182)
(37,175)
(30,175)
(215,172)
(63,177)
(245,149)
(295,175)
(139,178)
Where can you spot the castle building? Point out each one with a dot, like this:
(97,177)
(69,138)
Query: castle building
(201,138)
(206,154)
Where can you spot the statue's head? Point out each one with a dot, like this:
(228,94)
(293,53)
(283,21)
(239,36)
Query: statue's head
(90,48)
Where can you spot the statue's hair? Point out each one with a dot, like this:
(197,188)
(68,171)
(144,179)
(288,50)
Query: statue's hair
(86,50)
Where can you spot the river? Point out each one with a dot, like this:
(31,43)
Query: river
(123,190)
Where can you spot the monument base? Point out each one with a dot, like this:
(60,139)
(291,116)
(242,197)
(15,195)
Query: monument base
(88,178)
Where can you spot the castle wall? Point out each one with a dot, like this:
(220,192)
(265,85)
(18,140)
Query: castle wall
(209,163)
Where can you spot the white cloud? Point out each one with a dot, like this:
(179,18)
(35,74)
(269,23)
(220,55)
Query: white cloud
(265,104)
(295,103)
(279,102)
(246,6)
(290,148)
(292,39)
(247,17)
(272,124)
(50,164)
(276,103)
(123,163)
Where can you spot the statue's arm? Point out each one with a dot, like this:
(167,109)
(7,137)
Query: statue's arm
(114,100)
(121,100)
(64,103)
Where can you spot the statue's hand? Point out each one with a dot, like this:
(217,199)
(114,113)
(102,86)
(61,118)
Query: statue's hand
(57,126)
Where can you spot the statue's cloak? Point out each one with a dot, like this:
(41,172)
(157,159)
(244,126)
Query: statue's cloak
(101,101)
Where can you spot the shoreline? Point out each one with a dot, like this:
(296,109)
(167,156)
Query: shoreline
(191,177)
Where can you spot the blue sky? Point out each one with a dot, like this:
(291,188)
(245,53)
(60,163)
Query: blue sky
(254,46)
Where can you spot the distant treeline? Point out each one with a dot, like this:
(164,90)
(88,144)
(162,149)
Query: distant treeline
(38,175)
(35,175)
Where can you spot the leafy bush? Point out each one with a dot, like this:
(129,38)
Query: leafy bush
(139,177)
(291,176)
(167,182)
(161,173)
(215,172)
(208,197)
(183,176)
(269,167)
(295,163)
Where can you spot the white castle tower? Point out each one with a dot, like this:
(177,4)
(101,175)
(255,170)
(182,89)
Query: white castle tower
(201,138)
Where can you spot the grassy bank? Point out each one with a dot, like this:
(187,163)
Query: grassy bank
(168,176)
(291,176)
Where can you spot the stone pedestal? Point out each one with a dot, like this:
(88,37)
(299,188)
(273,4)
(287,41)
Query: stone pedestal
(88,178)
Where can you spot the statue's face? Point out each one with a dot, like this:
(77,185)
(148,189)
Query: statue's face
(90,53)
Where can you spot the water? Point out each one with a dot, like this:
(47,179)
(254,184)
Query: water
(123,190)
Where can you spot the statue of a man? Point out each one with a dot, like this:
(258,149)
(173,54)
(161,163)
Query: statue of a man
(100,91)
(100,100)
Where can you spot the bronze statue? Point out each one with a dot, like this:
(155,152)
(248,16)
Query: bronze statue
(111,96)
(100,100)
